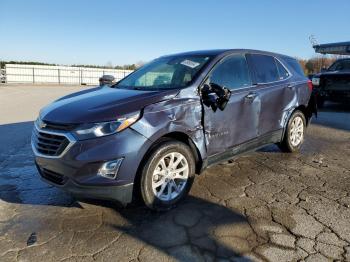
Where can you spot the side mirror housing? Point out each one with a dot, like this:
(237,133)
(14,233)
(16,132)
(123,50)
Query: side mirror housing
(215,96)
(107,80)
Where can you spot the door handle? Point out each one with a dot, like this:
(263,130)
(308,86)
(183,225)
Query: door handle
(251,96)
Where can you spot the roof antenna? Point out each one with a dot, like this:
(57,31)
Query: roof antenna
(313,40)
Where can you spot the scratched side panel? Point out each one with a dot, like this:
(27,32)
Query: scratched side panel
(180,114)
(238,123)
(301,97)
(276,99)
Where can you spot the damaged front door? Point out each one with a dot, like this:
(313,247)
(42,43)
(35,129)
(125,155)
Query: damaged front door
(238,121)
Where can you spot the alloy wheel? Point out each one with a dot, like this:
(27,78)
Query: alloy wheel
(296,131)
(170,176)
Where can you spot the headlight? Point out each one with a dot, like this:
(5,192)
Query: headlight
(106,128)
(316,81)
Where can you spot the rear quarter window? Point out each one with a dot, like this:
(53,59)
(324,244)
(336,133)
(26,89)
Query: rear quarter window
(294,64)
(282,71)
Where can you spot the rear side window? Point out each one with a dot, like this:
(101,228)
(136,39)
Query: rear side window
(294,64)
(265,68)
(232,73)
(282,72)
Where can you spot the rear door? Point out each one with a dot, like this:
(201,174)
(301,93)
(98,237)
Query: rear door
(238,122)
(275,91)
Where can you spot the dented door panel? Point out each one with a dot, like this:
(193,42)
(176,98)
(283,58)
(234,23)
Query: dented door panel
(237,123)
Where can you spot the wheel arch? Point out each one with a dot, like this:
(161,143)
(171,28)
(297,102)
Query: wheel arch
(184,138)
(305,110)
(175,136)
(301,108)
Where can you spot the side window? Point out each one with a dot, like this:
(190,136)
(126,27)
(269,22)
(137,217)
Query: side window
(265,68)
(232,73)
(283,73)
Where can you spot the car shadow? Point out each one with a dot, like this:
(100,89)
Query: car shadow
(195,230)
(184,233)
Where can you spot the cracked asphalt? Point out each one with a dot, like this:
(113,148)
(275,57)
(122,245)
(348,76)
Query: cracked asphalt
(265,206)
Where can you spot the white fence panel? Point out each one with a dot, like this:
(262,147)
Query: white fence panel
(19,75)
(71,76)
(59,74)
(45,75)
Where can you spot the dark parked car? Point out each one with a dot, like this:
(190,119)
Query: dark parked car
(2,76)
(333,84)
(151,132)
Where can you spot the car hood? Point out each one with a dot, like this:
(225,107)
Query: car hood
(101,104)
(333,73)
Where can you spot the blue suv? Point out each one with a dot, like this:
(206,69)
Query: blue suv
(150,133)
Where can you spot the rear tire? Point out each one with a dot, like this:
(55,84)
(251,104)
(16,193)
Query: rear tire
(294,133)
(167,175)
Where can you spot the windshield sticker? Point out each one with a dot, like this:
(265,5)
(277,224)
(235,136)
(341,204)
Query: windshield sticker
(190,63)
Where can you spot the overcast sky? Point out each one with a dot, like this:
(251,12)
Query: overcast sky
(123,32)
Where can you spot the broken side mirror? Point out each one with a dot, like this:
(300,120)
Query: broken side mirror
(107,80)
(215,96)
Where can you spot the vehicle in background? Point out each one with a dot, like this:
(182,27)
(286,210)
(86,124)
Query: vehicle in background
(333,84)
(107,80)
(150,133)
(2,76)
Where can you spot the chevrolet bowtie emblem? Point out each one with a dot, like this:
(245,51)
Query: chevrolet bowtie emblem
(42,125)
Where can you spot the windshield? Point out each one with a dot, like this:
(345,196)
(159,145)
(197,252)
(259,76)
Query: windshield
(165,73)
(343,65)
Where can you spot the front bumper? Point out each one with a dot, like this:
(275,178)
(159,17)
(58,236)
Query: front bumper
(337,96)
(333,94)
(76,170)
(122,193)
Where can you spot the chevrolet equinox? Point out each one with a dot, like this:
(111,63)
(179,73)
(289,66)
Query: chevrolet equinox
(151,132)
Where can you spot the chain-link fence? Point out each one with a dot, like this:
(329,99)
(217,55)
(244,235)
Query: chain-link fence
(14,73)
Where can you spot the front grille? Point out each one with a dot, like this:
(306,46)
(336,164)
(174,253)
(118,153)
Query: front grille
(49,144)
(59,126)
(53,176)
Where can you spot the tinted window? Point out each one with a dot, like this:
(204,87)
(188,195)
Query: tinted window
(294,64)
(232,73)
(265,68)
(283,73)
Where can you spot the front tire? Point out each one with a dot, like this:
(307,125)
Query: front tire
(294,134)
(167,175)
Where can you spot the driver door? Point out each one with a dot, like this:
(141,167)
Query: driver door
(238,122)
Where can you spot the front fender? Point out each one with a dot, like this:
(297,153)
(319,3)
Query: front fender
(182,115)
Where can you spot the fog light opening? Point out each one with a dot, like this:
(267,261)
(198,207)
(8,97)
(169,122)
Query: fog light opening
(110,169)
